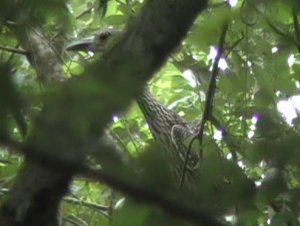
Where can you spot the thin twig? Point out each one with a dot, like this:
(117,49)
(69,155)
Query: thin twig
(212,88)
(73,220)
(119,140)
(234,45)
(277,30)
(186,160)
(296,24)
(125,123)
(282,33)
(13,50)
(88,10)
(225,135)
(5,161)
(208,103)
(99,208)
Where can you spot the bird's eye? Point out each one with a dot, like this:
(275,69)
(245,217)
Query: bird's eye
(104,36)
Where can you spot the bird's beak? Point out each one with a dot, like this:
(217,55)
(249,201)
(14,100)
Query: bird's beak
(84,44)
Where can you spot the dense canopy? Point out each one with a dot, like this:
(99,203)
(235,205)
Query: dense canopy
(79,146)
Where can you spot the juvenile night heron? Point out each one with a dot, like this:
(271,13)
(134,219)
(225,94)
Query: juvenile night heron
(167,128)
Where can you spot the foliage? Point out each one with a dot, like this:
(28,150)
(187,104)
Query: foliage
(252,168)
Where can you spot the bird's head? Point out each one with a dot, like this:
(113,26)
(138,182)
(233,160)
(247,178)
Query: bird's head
(96,43)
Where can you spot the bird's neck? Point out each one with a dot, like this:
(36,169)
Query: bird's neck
(155,111)
(159,118)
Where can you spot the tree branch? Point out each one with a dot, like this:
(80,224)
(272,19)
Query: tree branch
(212,87)
(295,8)
(135,190)
(28,201)
(277,30)
(148,195)
(225,134)
(13,50)
(99,208)
(208,102)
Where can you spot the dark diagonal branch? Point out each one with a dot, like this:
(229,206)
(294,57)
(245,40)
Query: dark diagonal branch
(212,88)
(232,47)
(208,102)
(295,9)
(13,50)
(130,187)
(139,193)
(86,11)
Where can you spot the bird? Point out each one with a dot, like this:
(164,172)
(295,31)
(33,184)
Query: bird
(169,130)
(173,135)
